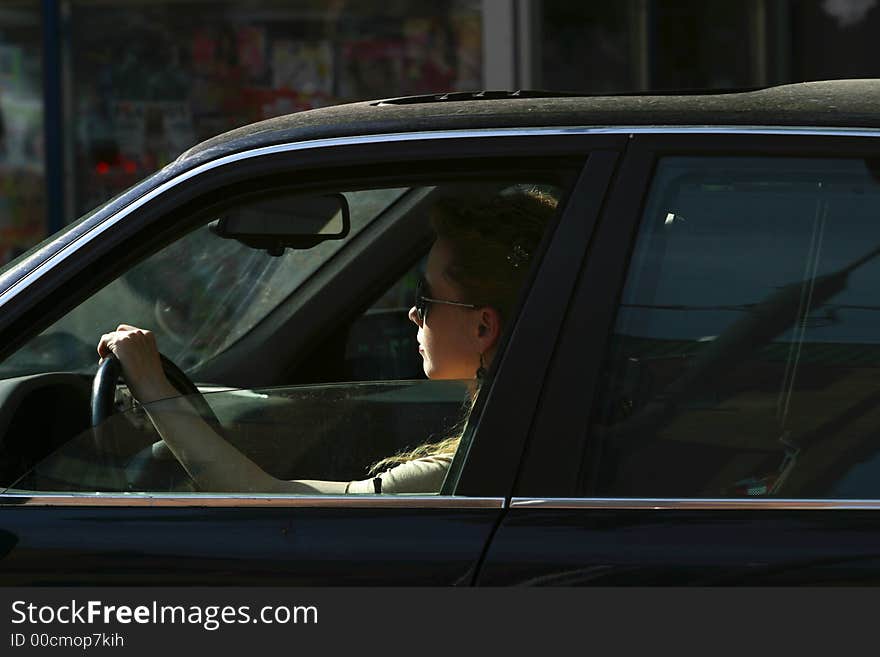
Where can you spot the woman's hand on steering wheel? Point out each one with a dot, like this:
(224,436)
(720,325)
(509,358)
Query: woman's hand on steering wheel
(138,353)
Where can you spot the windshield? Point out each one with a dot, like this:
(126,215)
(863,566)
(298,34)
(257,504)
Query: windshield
(200,294)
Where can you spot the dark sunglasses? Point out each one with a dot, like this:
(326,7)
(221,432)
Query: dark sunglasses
(422,302)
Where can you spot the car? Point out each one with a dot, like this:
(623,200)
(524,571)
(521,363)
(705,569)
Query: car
(687,391)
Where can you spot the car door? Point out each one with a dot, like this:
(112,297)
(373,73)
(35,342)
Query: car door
(711,412)
(177,537)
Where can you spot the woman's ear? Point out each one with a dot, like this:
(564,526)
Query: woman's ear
(489,328)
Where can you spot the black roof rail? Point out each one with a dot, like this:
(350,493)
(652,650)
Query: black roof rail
(537,93)
(476,95)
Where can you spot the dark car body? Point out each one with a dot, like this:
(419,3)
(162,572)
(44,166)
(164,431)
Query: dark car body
(534,502)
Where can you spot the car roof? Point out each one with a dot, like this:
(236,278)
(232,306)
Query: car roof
(831,103)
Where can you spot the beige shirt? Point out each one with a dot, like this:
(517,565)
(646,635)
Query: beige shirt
(424,475)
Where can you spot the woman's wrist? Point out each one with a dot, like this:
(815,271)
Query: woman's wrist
(147,393)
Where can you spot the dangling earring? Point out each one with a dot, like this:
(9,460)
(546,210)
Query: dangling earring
(481,370)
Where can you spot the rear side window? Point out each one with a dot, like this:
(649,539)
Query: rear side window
(745,358)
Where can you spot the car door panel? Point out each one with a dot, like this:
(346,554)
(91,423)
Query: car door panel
(603,546)
(137,538)
(157,543)
(558,531)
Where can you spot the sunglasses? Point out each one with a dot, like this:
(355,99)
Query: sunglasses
(422,302)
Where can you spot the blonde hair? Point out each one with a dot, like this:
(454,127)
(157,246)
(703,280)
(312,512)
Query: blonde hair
(492,240)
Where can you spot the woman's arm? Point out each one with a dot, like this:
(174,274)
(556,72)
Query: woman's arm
(212,462)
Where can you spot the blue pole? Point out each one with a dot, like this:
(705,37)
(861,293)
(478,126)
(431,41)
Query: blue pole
(53,115)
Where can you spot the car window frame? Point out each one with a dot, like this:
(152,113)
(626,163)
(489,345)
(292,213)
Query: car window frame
(563,459)
(52,275)
(61,274)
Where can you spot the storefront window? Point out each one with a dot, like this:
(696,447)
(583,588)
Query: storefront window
(641,45)
(833,39)
(151,79)
(22,190)
(703,44)
(589,46)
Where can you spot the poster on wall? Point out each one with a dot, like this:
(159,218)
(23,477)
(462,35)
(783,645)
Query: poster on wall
(22,202)
(303,66)
(22,142)
(370,66)
(152,133)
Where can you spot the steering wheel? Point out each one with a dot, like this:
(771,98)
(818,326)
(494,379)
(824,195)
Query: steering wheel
(155,462)
(110,373)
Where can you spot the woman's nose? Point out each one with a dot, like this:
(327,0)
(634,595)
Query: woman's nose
(414,316)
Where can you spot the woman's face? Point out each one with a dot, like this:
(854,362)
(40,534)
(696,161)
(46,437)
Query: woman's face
(450,340)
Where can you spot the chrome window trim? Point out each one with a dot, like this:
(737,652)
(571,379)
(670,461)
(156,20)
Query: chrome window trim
(238,500)
(174,500)
(827,131)
(96,231)
(684,504)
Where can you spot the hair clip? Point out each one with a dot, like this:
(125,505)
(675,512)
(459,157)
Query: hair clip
(518,256)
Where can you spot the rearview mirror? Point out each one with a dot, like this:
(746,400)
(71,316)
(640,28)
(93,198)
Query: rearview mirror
(280,222)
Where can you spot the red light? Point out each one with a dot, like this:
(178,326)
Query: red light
(129,166)
(102,167)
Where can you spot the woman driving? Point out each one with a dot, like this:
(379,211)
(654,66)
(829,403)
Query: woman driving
(472,279)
